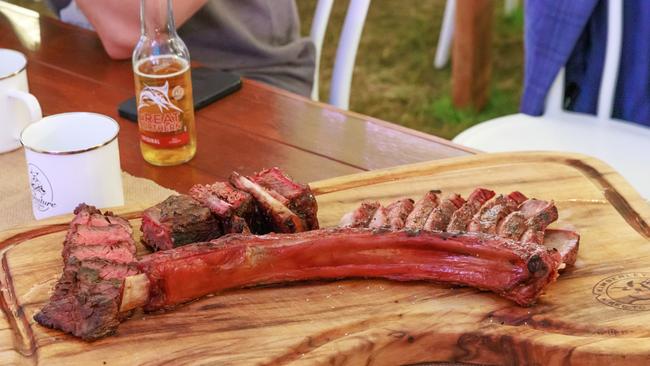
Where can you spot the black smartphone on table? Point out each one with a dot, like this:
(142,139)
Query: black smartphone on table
(208,85)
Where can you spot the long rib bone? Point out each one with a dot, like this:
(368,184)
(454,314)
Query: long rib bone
(511,269)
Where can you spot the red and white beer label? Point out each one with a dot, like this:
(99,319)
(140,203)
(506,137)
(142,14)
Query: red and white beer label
(160,120)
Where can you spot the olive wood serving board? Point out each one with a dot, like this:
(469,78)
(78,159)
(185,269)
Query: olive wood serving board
(598,312)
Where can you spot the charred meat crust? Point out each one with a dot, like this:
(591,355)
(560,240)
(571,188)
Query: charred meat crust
(269,201)
(176,221)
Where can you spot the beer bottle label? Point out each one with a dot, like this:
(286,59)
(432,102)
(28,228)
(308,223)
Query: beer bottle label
(163,106)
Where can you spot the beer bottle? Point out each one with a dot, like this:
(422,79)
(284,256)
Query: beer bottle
(163,88)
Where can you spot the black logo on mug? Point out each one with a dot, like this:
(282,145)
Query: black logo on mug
(42,195)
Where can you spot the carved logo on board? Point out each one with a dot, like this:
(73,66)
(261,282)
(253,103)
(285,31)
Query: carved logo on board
(626,291)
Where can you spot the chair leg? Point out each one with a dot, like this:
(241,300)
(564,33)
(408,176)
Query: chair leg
(446,35)
(317,34)
(510,6)
(347,52)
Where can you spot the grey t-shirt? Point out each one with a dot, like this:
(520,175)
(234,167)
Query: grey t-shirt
(259,39)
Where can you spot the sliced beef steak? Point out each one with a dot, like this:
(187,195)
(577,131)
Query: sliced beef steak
(87,299)
(98,254)
(178,220)
(93,235)
(121,252)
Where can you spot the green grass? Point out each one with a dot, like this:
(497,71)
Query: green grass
(394,78)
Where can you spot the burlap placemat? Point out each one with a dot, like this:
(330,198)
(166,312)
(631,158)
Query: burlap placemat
(16,200)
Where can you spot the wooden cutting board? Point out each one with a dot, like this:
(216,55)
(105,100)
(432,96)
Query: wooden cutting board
(597,313)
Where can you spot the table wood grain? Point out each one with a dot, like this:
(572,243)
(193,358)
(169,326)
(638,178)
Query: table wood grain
(258,126)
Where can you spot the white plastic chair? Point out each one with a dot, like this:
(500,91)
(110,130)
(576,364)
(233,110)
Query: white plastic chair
(623,145)
(346,51)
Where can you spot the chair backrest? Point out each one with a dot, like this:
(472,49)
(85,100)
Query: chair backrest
(346,51)
(555,98)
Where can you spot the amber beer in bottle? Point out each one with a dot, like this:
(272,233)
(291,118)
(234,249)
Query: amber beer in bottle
(163,88)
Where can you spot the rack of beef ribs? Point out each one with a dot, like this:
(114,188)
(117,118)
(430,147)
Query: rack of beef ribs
(176,221)
(268,201)
(513,216)
(491,242)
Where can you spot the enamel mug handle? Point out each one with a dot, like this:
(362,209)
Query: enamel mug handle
(33,108)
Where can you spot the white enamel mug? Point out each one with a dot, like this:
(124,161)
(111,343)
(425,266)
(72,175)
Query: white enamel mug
(18,108)
(73,158)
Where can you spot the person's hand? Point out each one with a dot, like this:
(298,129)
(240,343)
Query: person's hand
(117,22)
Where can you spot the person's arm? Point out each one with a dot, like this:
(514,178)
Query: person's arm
(117,22)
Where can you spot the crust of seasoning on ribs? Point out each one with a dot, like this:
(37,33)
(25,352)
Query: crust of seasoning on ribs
(362,216)
(463,216)
(514,270)
(398,211)
(235,209)
(392,216)
(495,210)
(421,211)
(178,220)
(538,214)
(98,254)
(440,216)
(512,217)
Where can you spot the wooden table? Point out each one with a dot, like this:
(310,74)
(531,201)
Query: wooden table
(259,126)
